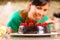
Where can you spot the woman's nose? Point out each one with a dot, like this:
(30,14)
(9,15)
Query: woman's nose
(40,12)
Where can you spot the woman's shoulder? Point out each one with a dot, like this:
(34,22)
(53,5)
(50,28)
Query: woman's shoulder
(15,15)
(46,17)
(17,12)
(43,19)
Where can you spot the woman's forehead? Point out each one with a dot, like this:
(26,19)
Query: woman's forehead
(45,6)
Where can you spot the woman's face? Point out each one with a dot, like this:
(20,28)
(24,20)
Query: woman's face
(37,12)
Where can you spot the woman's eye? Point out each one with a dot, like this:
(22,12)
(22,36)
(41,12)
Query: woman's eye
(39,8)
(45,9)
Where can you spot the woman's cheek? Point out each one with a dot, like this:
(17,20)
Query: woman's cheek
(45,13)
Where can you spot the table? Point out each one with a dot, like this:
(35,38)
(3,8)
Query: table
(32,36)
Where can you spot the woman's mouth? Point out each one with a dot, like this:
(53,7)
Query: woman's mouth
(38,17)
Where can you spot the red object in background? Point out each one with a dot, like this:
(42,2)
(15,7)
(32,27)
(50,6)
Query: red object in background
(45,24)
(52,18)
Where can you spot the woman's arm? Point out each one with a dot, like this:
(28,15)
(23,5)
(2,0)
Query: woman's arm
(50,21)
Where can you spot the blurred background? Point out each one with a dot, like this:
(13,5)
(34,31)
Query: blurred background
(7,7)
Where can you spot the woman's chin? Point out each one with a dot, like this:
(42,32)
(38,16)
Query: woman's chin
(37,18)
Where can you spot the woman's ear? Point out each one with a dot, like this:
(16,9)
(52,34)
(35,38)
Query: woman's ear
(30,3)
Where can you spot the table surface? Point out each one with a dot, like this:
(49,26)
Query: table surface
(30,37)
(52,33)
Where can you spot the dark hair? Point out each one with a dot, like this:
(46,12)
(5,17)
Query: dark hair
(30,30)
(39,2)
(57,15)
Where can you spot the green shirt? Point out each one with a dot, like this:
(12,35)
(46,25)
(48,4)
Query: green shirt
(16,19)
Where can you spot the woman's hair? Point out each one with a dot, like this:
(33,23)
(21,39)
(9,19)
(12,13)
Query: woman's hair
(39,2)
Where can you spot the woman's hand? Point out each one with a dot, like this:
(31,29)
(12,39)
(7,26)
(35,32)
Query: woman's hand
(50,21)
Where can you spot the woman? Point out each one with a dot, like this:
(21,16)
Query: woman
(36,11)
